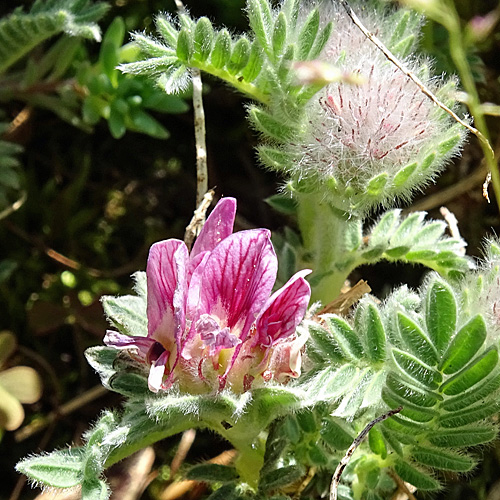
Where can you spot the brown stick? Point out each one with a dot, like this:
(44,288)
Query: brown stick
(347,457)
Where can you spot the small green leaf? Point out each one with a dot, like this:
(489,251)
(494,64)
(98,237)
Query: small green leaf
(469,415)
(167,30)
(472,374)
(326,343)
(478,393)
(416,476)
(127,313)
(291,8)
(240,55)
(259,16)
(374,333)
(110,46)
(145,123)
(410,410)
(203,39)
(102,360)
(317,455)
(416,340)
(59,469)
(116,120)
(406,230)
(377,184)
(449,144)
(377,443)
(255,62)
(129,384)
(416,370)
(427,162)
(307,35)
(279,34)
(397,252)
(307,421)
(416,396)
(95,489)
(384,229)
(280,477)
(462,437)
(404,174)
(336,434)
(345,336)
(274,158)
(332,383)
(440,314)
(431,232)
(267,124)
(212,473)
(185,45)
(404,46)
(282,203)
(465,345)
(225,492)
(440,459)
(321,41)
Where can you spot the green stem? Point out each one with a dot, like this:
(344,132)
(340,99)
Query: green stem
(326,233)
(244,87)
(458,54)
(148,438)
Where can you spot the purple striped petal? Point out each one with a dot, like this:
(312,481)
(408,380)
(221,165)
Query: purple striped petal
(218,226)
(283,311)
(119,341)
(237,279)
(167,291)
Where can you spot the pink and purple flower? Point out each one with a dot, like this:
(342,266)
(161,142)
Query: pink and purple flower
(212,321)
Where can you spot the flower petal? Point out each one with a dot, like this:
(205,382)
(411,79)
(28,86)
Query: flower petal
(237,279)
(167,291)
(218,226)
(283,311)
(157,372)
(286,360)
(119,341)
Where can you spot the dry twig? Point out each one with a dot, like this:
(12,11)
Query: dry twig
(347,457)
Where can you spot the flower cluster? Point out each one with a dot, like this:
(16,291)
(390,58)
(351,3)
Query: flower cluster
(354,133)
(211,320)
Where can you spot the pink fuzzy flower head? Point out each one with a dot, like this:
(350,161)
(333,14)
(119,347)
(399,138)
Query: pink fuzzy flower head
(377,140)
(212,321)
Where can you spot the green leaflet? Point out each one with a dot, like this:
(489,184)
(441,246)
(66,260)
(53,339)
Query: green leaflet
(59,469)
(345,337)
(203,39)
(416,370)
(418,342)
(440,314)
(462,437)
(336,433)
(222,49)
(423,480)
(212,473)
(446,460)
(127,314)
(472,374)
(464,346)
(308,35)
(368,320)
